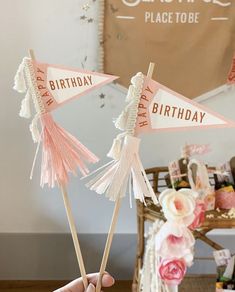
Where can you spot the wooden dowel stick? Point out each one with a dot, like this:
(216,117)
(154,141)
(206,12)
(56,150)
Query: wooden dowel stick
(150,70)
(114,221)
(71,221)
(74,236)
(108,244)
(32,55)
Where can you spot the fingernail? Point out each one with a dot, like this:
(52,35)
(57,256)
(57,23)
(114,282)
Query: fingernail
(91,288)
(108,279)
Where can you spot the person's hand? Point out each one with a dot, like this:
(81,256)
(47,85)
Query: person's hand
(77,285)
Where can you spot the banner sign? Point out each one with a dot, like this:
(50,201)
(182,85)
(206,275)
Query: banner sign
(58,85)
(192,42)
(162,109)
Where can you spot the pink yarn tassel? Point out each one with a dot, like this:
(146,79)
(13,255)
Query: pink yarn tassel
(61,153)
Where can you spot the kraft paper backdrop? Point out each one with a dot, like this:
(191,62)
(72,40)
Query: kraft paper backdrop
(191,58)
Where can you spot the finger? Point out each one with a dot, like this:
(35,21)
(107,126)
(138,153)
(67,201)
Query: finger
(91,288)
(74,286)
(107,279)
(77,285)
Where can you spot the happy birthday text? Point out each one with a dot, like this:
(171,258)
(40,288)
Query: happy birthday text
(70,82)
(165,110)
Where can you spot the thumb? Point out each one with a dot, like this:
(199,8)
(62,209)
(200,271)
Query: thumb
(91,288)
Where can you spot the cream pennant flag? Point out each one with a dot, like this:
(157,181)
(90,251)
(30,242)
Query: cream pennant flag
(162,109)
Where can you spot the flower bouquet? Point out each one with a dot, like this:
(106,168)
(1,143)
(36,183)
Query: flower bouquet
(174,243)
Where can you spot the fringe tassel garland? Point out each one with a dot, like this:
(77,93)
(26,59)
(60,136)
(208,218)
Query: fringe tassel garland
(149,278)
(114,176)
(62,153)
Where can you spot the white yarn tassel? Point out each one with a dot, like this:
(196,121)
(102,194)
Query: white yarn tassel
(34,129)
(121,121)
(130,93)
(115,150)
(25,111)
(127,118)
(19,80)
(25,79)
(113,179)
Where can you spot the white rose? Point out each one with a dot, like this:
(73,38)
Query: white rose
(175,240)
(178,205)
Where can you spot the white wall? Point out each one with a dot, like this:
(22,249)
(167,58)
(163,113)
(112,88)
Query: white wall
(55,31)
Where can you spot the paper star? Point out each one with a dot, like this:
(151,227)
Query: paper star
(113,9)
(83,62)
(86,7)
(102,95)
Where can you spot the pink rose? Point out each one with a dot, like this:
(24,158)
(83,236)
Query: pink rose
(172,271)
(199,214)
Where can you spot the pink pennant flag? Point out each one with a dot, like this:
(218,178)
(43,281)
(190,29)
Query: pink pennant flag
(231,75)
(58,85)
(162,109)
(50,86)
